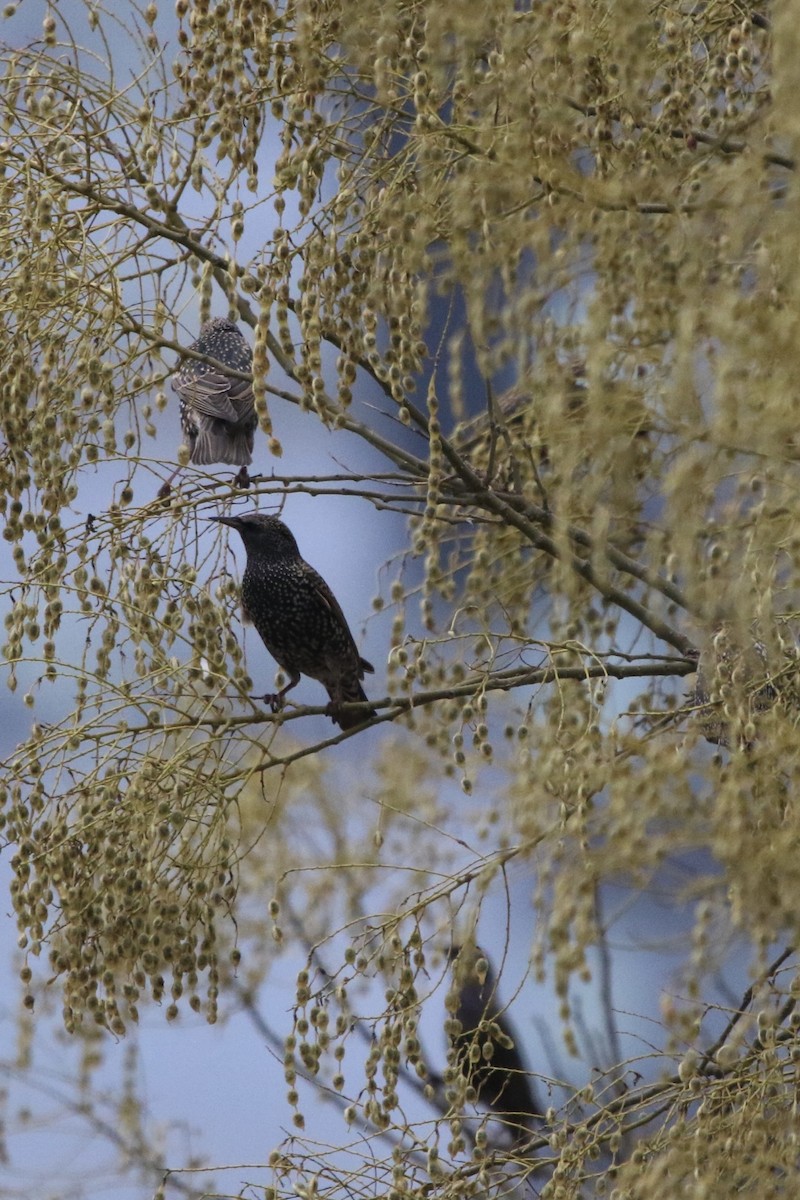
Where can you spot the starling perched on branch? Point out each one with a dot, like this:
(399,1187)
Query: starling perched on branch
(733,686)
(501,1080)
(297,616)
(218,413)
(514,435)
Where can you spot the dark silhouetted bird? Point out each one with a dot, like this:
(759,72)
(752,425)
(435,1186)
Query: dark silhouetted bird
(297,616)
(218,413)
(501,1081)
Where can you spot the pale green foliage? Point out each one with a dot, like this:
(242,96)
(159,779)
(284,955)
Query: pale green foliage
(606,193)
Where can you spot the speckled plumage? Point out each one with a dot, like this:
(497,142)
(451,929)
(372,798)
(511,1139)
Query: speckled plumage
(297,616)
(218,414)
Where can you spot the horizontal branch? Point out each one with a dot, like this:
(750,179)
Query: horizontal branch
(716,141)
(390,708)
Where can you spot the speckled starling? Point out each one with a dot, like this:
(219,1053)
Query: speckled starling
(510,424)
(733,686)
(297,616)
(520,427)
(501,1082)
(218,412)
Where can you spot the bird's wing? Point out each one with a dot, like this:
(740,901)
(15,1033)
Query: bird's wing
(329,600)
(209,395)
(242,398)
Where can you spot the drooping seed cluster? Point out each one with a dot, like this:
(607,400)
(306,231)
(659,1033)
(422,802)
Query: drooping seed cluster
(98,889)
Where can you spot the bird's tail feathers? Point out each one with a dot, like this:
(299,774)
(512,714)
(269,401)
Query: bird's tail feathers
(215,444)
(349,693)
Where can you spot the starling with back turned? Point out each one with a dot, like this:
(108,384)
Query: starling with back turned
(297,616)
(218,413)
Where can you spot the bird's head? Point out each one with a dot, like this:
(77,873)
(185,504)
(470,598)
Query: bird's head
(221,338)
(470,963)
(263,534)
(219,325)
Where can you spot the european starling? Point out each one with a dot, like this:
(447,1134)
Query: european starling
(510,424)
(509,436)
(297,616)
(218,414)
(732,687)
(502,1082)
